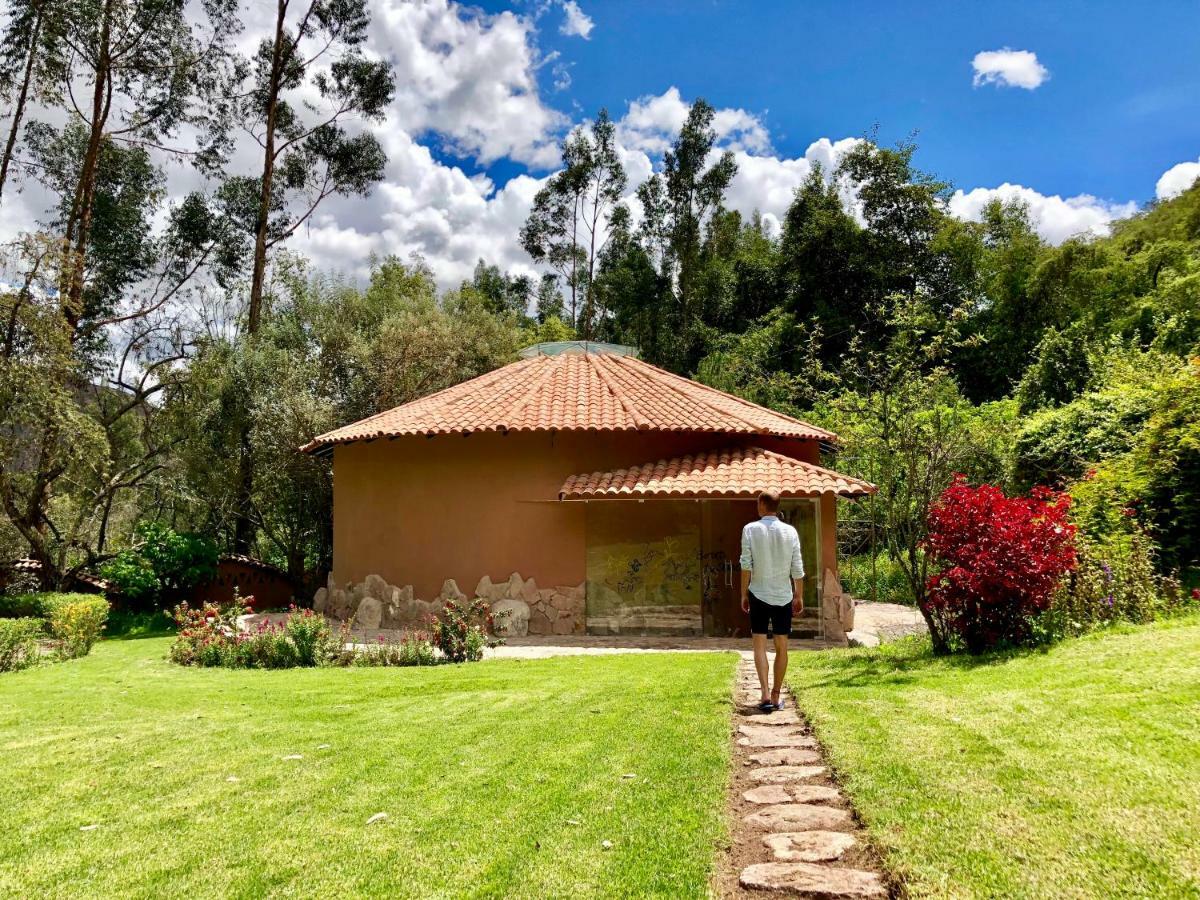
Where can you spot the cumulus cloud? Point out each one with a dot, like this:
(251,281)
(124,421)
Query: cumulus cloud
(577,22)
(1177,179)
(768,183)
(652,122)
(1055,218)
(1009,68)
(470,78)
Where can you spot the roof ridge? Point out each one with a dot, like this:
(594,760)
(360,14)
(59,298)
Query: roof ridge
(709,389)
(594,360)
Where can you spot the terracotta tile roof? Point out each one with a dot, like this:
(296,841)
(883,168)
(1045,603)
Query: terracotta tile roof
(575,391)
(733,472)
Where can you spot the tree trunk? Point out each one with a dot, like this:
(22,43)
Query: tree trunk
(243,532)
(22,95)
(79,230)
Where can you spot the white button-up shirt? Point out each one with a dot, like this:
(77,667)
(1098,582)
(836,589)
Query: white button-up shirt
(771,551)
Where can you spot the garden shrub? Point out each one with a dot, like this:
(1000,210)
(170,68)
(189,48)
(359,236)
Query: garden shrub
(1001,559)
(413,649)
(1114,580)
(463,631)
(19,643)
(891,584)
(76,624)
(163,566)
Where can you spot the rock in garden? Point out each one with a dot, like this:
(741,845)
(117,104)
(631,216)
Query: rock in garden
(813,881)
(320,598)
(370,613)
(450,591)
(800,817)
(483,590)
(787,756)
(808,846)
(779,774)
(516,623)
(378,817)
(375,586)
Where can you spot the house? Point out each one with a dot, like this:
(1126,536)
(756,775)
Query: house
(580,488)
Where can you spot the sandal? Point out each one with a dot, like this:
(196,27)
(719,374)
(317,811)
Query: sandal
(766,706)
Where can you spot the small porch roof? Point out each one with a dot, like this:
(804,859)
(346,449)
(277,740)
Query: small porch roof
(732,473)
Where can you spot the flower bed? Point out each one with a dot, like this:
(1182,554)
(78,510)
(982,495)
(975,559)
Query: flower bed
(212,635)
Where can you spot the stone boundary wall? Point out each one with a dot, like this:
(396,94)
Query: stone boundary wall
(375,604)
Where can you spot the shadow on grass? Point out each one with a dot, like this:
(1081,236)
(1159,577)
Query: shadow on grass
(905,662)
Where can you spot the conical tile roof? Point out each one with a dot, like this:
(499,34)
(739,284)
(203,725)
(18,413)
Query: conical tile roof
(575,391)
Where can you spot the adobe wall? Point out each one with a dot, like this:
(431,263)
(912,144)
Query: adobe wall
(419,510)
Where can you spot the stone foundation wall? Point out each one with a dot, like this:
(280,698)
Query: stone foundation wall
(375,604)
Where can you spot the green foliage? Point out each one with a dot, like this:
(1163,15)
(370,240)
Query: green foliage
(890,583)
(41,605)
(413,649)
(1113,581)
(163,566)
(76,625)
(19,643)
(1061,370)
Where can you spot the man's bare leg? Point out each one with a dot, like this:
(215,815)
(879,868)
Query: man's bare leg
(781,661)
(760,664)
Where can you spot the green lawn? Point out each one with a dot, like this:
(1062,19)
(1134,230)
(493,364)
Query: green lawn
(1069,773)
(499,778)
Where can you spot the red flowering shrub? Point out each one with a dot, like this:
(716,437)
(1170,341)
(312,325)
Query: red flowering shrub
(1001,559)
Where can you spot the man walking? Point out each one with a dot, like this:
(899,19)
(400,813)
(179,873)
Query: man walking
(772,588)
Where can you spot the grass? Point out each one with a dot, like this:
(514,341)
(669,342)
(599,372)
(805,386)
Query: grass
(1073,772)
(502,778)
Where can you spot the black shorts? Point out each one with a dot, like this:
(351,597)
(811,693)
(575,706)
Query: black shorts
(767,618)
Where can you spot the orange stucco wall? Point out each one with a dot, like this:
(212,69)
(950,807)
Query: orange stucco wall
(418,510)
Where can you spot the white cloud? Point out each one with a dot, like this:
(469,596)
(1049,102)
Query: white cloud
(1055,218)
(652,123)
(768,183)
(1009,68)
(469,77)
(1177,179)
(577,22)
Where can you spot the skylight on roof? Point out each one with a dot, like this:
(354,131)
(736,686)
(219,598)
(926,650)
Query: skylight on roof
(555,348)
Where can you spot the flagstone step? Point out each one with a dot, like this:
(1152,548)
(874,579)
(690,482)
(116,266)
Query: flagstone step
(808,846)
(783,717)
(753,729)
(776,737)
(792,793)
(778,774)
(786,756)
(813,881)
(800,817)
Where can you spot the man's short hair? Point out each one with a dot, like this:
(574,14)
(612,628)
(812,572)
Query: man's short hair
(769,500)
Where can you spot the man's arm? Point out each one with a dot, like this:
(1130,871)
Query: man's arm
(747,563)
(797,575)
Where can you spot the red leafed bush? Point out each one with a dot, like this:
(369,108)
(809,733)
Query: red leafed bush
(1000,560)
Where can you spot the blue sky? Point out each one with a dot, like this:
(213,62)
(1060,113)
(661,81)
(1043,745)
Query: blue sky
(1121,104)
(1082,111)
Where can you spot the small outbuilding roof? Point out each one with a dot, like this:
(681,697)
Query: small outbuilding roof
(738,472)
(575,389)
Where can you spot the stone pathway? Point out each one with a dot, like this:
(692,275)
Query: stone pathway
(793,831)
